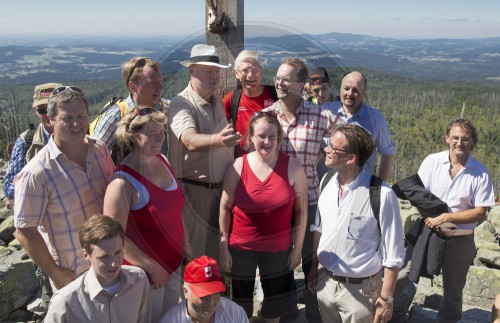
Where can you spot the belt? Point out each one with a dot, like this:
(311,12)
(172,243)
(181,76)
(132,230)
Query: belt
(348,280)
(207,185)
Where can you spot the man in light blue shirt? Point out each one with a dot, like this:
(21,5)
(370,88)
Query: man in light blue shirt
(353,110)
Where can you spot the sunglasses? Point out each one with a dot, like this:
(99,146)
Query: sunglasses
(260,114)
(139,63)
(61,89)
(144,111)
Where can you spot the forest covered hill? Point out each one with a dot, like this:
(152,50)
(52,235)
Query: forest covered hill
(417,111)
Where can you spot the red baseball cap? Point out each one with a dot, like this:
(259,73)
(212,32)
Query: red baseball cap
(203,277)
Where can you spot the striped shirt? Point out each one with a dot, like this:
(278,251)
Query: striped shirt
(302,138)
(56,195)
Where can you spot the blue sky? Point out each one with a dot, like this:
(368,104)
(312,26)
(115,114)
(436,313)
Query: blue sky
(384,18)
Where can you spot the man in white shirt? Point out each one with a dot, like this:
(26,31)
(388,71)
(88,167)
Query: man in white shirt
(460,180)
(108,291)
(349,242)
(203,304)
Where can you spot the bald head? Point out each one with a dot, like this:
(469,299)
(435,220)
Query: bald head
(352,91)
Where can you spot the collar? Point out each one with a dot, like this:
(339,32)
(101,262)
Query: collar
(360,180)
(197,99)
(158,107)
(55,152)
(446,159)
(218,309)
(95,287)
(361,111)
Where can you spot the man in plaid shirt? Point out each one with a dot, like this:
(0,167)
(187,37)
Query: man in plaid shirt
(304,125)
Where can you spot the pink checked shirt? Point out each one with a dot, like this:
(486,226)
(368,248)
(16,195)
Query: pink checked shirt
(56,195)
(302,138)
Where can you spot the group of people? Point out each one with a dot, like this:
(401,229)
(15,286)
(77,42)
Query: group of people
(239,190)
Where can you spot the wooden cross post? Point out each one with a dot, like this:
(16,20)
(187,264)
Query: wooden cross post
(225,30)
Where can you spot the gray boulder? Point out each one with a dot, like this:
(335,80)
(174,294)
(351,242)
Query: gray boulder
(18,283)
(7,229)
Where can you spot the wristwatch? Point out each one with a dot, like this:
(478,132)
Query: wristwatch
(389,300)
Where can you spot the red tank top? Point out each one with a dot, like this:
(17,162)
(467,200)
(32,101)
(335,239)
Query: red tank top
(157,227)
(263,211)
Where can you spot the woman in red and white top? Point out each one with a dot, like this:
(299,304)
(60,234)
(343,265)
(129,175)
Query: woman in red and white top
(147,200)
(264,198)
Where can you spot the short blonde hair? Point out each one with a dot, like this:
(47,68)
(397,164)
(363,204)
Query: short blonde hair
(132,122)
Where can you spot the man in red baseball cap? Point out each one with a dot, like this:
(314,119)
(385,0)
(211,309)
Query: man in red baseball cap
(202,287)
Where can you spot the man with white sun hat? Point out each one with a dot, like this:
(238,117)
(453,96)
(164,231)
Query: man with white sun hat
(201,147)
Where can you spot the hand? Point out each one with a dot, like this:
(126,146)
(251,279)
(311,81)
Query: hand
(383,311)
(432,223)
(8,203)
(228,137)
(62,277)
(294,259)
(312,279)
(159,276)
(225,261)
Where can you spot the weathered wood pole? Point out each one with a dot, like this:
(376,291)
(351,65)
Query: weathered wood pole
(225,30)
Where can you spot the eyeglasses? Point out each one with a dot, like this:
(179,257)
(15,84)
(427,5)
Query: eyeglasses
(61,89)
(285,81)
(336,151)
(42,109)
(262,138)
(139,63)
(253,70)
(464,140)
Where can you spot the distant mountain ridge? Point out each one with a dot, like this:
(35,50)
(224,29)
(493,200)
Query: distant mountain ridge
(78,59)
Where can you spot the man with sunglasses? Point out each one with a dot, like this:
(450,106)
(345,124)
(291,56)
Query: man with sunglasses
(144,82)
(349,242)
(61,187)
(23,151)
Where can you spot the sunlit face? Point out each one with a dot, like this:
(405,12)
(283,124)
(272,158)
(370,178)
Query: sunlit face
(44,117)
(352,91)
(201,307)
(336,152)
(71,122)
(321,92)
(150,138)
(249,73)
(205,79)
(460,141)
(286,82)
(106,260)
(265,137)
(148,90)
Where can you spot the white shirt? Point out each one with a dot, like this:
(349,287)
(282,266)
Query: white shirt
(227,311)
(85,300)
(470,188)
(363,249)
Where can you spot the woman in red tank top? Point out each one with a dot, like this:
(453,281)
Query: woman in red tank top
(146,199)
(264,192)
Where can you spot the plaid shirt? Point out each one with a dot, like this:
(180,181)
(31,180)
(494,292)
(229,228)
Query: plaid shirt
(105,129)
(17,162)
(302,138)
(57,194)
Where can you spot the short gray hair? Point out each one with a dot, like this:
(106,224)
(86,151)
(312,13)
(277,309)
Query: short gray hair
(245,55)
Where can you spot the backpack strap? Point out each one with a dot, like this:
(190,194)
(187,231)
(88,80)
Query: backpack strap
(123,107)
(272,90)
(28,139)
(235,101)
(375,187)
(328,176)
